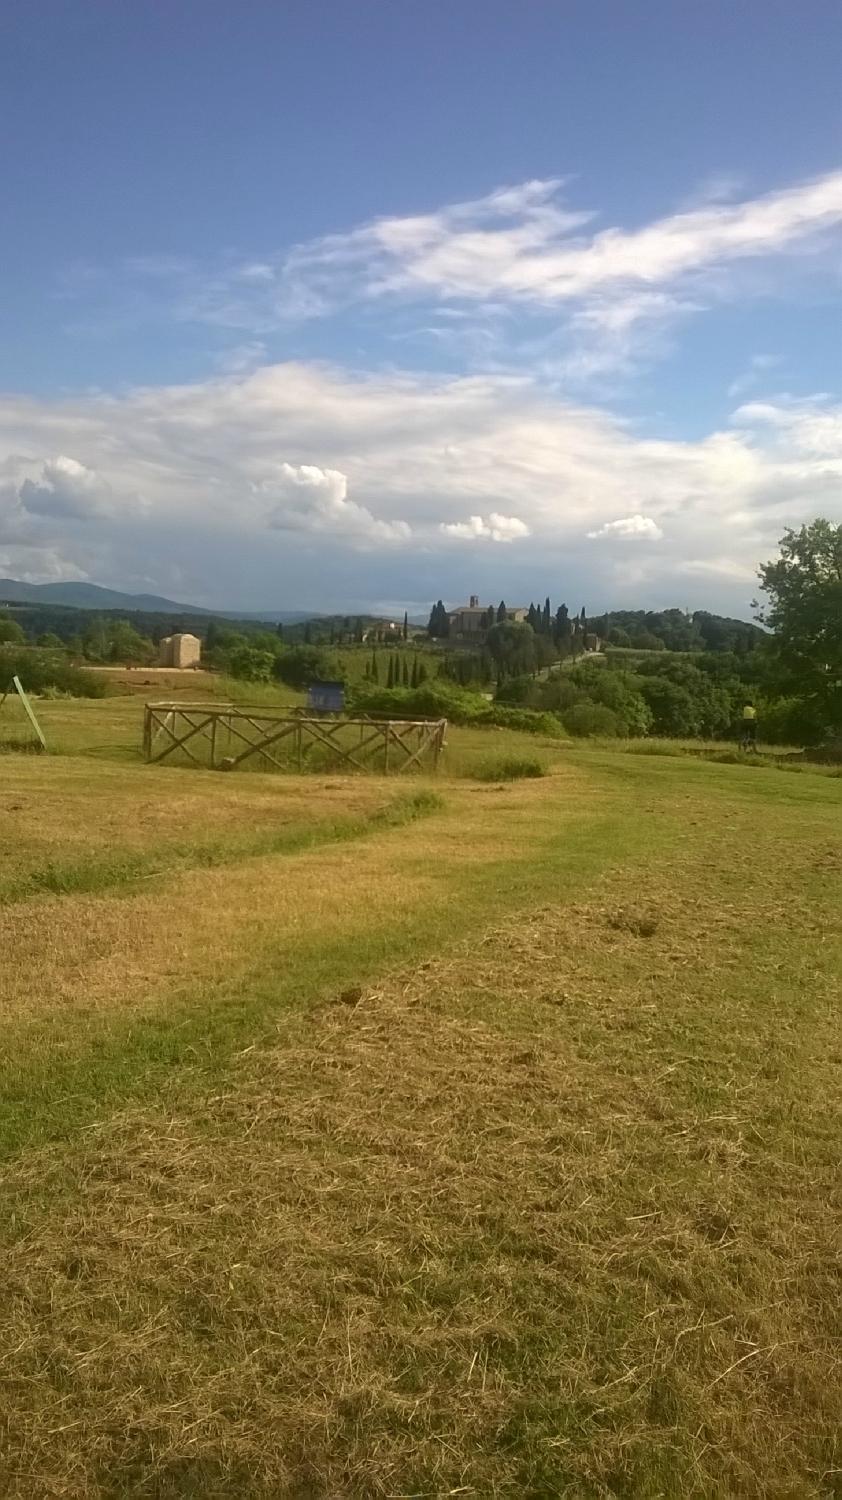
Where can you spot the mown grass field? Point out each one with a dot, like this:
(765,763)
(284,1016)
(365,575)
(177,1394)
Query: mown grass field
(367,1137)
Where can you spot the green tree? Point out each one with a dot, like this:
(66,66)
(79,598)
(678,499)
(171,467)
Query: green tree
(97,640)
(406,625)
(405,676)
(439,626)
(511,645)
(562,629)
(804,588)
(50,642)
(127,645)
(375,670)
(413,681)
(11,633)
(251,665)
(301,665)
(501,612)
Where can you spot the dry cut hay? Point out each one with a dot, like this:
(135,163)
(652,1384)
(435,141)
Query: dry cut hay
(540,1219)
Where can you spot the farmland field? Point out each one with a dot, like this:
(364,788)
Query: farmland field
(417,1137)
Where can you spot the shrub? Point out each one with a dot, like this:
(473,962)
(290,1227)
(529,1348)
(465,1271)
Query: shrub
(591,719)
(445,700)
(432,700)
(508,768)
(249,665)
(790,721)
(524,719)
(38,670)
(301,665)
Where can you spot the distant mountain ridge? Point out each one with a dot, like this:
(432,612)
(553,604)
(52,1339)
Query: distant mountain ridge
(94,596)
(89,596)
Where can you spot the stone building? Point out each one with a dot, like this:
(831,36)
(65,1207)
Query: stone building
(472,621)
(179,651)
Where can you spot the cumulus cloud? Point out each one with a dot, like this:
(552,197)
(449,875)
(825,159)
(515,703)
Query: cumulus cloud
(630,527)
(259,488)
(496,528)
(304,497)
(65,488)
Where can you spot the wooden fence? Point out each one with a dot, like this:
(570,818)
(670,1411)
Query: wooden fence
(224,737)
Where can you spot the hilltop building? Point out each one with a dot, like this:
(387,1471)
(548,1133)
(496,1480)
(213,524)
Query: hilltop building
(473,621)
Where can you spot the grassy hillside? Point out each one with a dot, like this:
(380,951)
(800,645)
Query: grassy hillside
(374,1138)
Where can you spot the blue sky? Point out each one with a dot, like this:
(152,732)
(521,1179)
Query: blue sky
(316,304)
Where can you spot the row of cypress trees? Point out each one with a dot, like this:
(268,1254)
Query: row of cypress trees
(399,673)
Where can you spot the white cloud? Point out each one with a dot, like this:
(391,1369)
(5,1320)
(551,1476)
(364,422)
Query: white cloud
(65,488)
(520,244)
(609,296)
(40,565)
(630,527)
(496,528)
(304,497)
(262,487)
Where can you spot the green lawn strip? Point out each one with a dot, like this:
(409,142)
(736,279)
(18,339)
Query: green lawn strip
(55,1079)
(89,875)
(636,1250)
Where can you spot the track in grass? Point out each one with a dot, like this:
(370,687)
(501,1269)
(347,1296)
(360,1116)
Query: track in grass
(519,1183)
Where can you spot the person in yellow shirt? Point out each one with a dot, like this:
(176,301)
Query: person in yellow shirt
(749,726)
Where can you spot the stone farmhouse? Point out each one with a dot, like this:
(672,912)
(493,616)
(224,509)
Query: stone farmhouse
(471,622)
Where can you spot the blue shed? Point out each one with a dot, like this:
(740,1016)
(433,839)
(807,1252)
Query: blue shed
(326,697)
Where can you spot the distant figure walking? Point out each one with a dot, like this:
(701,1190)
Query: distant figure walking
(749,735)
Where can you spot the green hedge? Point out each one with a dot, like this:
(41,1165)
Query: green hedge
(39,670)
(445,700)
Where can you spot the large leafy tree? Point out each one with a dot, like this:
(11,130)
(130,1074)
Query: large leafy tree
(804,588)
(511,645)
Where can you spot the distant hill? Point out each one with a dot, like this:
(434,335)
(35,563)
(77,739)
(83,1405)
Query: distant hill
(90,596)
(94,596)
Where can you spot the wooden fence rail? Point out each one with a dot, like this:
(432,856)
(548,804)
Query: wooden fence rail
(224,736)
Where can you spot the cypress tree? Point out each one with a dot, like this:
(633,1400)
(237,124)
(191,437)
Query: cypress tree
(406,625)
(414,679)
(501,612)
(439,620)
(547,621)
(390,679)
(422,673)
(405,675)
(375,671)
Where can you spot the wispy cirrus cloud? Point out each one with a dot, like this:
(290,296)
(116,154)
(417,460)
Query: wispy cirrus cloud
(520,244)
(519,275)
